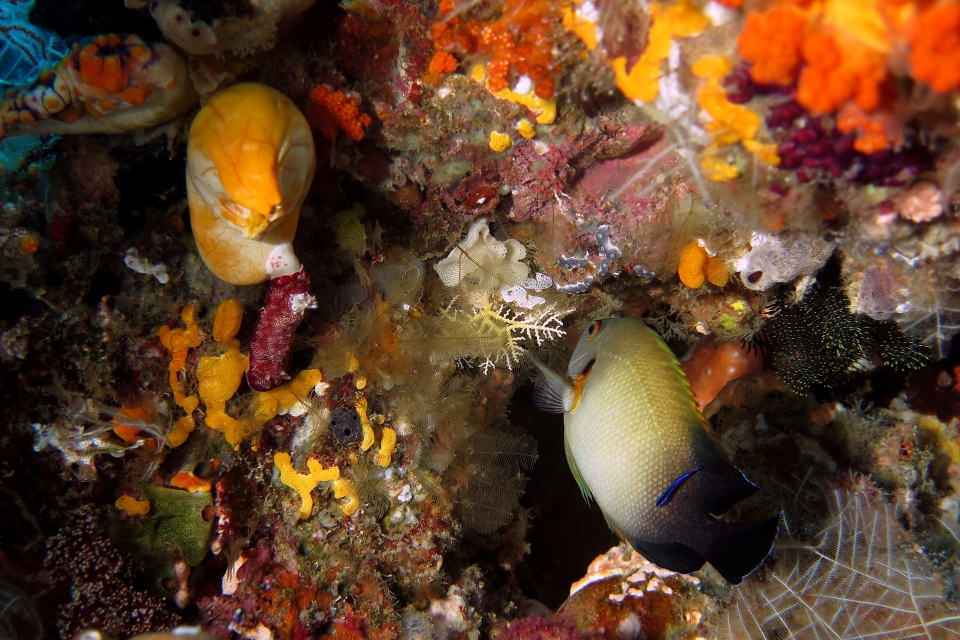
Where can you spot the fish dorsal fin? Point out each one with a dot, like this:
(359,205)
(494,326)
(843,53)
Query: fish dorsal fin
(552,393)
(584,489)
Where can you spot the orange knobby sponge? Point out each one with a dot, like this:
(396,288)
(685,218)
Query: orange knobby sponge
(834,74)
(772,41)
(935,37)
(330,110)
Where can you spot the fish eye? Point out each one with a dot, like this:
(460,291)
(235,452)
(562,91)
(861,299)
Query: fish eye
(594,329)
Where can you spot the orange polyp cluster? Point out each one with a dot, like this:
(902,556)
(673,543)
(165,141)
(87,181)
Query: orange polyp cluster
(331,110)
(875,131)
(843,53)
(443,62)
(179,342)
(109,67)
(832,76)
(519,40)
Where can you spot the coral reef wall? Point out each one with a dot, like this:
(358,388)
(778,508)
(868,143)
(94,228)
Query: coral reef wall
(273,275)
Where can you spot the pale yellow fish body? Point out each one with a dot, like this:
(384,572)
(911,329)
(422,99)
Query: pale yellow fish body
(639,446)
(637,401)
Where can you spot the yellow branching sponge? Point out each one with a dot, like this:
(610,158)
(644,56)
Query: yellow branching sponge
(729,123)
(290,399)
(368,435)
(344,488)
(132,506)
(680,20)
(219,378)
(304,483)
(388,444)
(179,342)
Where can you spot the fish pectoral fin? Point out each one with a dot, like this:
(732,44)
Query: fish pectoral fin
(584,489)
(552,393)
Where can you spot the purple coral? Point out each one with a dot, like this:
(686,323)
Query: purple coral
(536,628)
(813,148)
(287,302)
(100,580)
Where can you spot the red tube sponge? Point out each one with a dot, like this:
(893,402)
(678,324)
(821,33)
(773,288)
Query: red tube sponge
(287,301)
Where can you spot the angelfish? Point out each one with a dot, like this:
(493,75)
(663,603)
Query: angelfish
(637,444)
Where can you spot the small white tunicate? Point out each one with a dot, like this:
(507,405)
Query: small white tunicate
(524,85)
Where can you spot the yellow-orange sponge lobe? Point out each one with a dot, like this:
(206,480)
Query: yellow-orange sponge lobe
(693,258)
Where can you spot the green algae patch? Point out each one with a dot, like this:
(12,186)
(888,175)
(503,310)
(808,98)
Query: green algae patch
(181,520)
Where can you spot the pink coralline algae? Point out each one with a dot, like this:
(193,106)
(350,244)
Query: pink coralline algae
(100,580)
(287,301)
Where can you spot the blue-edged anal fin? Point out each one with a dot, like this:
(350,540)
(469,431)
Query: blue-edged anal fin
(552,393)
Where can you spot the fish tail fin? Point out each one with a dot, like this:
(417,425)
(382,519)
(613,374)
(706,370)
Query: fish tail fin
(736,549)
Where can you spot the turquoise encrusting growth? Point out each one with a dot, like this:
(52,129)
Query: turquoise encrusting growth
(638,445)
(25,49)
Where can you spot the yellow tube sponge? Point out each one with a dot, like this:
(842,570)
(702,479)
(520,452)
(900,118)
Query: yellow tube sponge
(304,483)
(250,162)
(368,435)
(388,444)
